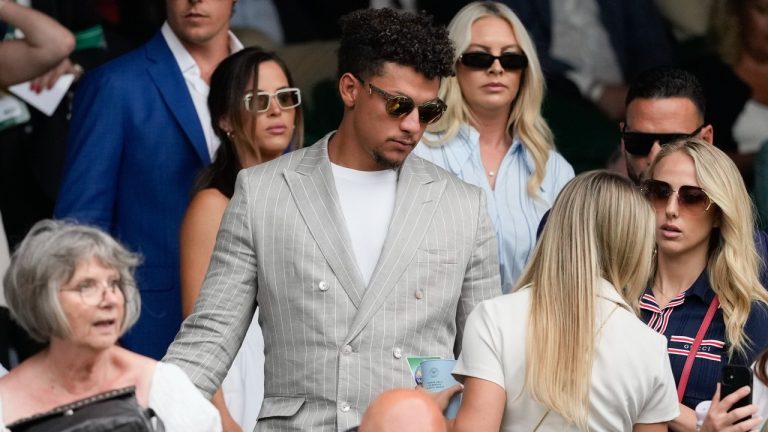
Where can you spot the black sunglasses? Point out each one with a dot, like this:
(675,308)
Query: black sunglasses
(483,60)
(688,197)
(399,106)
(640,143)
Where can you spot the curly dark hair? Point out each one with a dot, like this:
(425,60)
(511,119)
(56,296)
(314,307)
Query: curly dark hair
(372,37)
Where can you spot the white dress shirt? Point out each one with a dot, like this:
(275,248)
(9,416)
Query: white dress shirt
(198,88)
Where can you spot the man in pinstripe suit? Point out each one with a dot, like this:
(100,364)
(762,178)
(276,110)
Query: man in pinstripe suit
(358,254)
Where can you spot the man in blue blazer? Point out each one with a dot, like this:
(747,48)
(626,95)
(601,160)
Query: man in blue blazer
(139,136)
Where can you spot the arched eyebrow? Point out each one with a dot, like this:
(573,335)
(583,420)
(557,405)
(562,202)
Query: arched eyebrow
(487,48)
(279,88)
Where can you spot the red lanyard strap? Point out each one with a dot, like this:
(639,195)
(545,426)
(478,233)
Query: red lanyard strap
(695,348)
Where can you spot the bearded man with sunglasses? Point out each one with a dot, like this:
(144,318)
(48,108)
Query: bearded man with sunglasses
(663,105)
(358,253)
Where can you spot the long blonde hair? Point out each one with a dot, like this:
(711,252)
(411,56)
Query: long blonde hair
(525,120)
(733,264)
(600,227)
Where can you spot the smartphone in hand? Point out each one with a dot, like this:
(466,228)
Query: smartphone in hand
(735,377)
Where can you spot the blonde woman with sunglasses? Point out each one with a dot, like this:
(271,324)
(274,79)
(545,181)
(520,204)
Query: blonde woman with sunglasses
(704,295)
(492,134)
(256,113)
(566,351)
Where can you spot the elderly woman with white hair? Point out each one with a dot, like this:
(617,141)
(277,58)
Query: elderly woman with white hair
(72,287)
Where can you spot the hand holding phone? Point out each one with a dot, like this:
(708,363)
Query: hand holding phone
(733,378)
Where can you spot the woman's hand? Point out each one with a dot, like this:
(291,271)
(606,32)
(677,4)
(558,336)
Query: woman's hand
(720,419)
(47,80)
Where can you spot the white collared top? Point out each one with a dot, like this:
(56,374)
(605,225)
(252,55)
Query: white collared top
(631,380)
(198,88)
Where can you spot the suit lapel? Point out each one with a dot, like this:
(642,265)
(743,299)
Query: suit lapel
(417,197)
(171,85)
(313,189)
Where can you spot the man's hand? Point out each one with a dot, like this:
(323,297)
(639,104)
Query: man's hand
(719,419)
(442,398)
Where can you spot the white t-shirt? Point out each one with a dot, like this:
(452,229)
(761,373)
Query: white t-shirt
(367,201)
(177,402)
(632,380)
(580,39)
(751,128)
(760,398)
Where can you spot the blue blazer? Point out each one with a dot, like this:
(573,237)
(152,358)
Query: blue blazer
(135,148)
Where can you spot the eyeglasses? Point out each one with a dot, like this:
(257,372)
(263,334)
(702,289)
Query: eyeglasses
(286,98)
(399,106)
(483,60)
(92,292)
(691,198)
(640,143)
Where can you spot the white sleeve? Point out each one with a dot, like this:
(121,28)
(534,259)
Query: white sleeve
(481,347)
(179,404)
(662,404)
(760,399)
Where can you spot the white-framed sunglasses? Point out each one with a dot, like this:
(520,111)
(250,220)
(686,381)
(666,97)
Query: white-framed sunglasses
(286,98)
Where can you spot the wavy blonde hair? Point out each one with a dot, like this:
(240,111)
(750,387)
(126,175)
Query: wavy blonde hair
(525,120)
(600,227)
(733,264)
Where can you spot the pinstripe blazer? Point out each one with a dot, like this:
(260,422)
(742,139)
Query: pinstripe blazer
(331,343)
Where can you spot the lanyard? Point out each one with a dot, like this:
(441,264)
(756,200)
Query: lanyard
(695,348)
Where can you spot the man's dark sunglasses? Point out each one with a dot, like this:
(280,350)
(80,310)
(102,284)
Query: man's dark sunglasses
(483,60)
(399,106)
(640,143)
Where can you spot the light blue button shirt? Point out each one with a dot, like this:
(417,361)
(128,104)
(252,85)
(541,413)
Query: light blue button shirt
(515,214)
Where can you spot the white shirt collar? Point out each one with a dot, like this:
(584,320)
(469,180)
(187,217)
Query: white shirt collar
(183,58)
(607,291)
(198,88)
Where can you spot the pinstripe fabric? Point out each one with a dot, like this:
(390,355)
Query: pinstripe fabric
(331,344)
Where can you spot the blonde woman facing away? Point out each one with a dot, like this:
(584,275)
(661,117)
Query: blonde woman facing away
(493,135)
(566,351)
(706,265)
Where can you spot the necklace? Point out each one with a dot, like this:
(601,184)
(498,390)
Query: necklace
(491,173)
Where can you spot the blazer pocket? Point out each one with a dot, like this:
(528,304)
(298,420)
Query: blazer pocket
(280,406)
(436,256)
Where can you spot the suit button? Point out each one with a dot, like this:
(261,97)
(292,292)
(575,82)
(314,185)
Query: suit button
(398,353)
(323,285)
(347,350)
(419,294)
(344,407)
